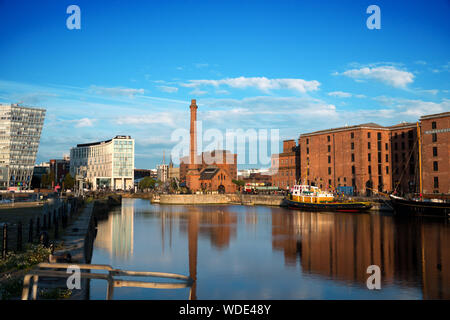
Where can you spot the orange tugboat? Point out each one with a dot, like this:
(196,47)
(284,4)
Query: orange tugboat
(310,198)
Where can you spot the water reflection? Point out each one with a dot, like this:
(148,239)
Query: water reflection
(115,234)
(413,252)
(227,251)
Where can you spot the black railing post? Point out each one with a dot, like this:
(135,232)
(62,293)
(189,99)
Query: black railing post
(5,241)
(64,220)
(30,231)
(38,227)
(56,229)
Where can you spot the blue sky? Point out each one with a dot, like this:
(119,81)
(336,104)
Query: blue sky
(296,66)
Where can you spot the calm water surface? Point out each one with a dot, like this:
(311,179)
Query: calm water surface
(256,252)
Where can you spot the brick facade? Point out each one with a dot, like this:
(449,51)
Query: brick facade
(371,157)
(405,157)
(435,144)
(211,171)
(227,162)
(285,166)
(60,168)
(349,156)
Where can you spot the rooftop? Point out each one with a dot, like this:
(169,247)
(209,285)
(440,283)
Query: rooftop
(18,105)
(101,142)
(209,173)
(369,125)
(436,115)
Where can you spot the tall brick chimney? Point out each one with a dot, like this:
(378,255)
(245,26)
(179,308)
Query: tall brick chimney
(193,146)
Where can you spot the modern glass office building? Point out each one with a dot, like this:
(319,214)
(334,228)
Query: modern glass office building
(20,132)
(105,164)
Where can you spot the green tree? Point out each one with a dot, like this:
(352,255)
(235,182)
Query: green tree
(239,183)
(69,182)
(147,183)
(47,180)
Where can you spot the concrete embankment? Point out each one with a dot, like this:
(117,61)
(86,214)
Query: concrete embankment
(29,204)
(79,238)
(78,241)
(245,199)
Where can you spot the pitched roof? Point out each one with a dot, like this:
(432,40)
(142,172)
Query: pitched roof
(208,173)
(436,115)
(362,126)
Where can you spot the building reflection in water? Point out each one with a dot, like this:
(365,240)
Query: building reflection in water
(413,252)
(115,233)
(342,246)
(219,226)
(435,253)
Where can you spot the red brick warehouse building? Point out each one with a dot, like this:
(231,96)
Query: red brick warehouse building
(405,158)
(60,168)
(285,166)
(211,171)
(357,156)
(370,157)
(435,145)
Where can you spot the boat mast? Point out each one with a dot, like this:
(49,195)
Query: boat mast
(420,159)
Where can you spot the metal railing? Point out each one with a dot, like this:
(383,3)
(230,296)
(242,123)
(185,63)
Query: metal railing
(109,277)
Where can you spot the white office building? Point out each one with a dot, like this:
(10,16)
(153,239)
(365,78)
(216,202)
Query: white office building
(105,164)
(162,172)
(20,132)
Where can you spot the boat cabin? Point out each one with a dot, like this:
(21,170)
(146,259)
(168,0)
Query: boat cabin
(310,194)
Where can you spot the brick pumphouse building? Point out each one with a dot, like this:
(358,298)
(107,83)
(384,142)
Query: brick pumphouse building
(210,171)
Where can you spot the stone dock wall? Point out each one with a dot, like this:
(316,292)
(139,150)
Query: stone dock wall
(78,240)
(245,199)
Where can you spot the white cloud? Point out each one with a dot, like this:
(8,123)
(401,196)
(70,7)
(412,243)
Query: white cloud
(261,83)
(161,118)
(168,89)
(267,111)
(413,109)
(198,92)
(443,68)
(387,74)
(340,94)
(84,122)
(201,65)
(35,98)
(429,91)
(222,92)
(116,91)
